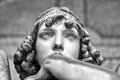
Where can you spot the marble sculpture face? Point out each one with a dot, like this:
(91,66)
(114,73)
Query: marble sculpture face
(57,38)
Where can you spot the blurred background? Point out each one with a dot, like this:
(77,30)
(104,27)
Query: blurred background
(101,18)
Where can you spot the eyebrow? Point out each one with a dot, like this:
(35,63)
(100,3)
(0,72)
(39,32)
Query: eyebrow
(70,30)
(47,29)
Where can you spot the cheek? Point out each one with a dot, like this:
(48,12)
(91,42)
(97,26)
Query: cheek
(43,46)
(43,49)
(72,48)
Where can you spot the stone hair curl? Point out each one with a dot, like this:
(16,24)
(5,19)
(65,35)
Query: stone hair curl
(25,59)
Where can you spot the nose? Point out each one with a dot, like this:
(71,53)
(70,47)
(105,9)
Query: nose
(58,48)
(58,44)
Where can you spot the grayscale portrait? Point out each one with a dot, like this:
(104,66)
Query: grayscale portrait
(56,31)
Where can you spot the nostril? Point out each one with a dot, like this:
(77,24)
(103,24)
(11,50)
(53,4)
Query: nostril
(58,53)
(57,47)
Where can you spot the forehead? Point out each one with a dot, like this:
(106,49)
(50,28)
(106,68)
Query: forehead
(60,25)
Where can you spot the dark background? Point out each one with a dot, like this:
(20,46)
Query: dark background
(101,18)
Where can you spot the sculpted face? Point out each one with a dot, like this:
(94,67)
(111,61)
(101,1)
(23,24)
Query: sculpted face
(57,38)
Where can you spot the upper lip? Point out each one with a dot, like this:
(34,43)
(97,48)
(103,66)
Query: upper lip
(58,50)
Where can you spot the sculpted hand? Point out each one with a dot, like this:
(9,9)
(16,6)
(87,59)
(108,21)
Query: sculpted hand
(64,68)
(51,66)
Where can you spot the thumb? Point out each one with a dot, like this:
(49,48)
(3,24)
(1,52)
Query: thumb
(42,74)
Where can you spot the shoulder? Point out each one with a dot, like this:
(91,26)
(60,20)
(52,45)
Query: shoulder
(2,52)
(4,66)
(3,55)
(3,59)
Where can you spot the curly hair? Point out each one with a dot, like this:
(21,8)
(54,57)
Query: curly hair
(25,59)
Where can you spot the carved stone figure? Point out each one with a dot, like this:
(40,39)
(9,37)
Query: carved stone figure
(57,31)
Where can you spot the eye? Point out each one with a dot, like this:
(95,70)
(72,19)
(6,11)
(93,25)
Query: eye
(46,35)
(71,36)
